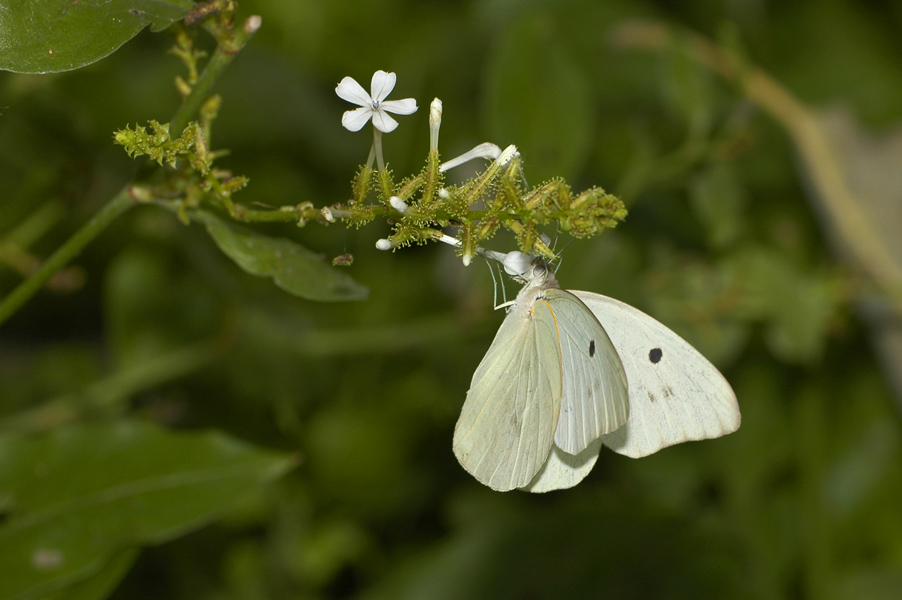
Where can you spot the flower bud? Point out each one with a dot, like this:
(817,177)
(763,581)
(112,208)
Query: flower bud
(398,204)
(435,122)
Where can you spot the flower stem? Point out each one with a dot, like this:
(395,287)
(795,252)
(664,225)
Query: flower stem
(229,43)
(377,145)
(59,259)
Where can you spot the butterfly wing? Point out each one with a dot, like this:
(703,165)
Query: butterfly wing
(675,394)
(595,399)
(562,470)
(507,422)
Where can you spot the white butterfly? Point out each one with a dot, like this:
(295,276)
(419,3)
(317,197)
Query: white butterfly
(570,371)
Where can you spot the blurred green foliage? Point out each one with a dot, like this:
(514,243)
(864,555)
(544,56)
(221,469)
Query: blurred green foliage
(155,353)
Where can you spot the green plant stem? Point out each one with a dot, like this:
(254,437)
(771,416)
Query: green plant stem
(270,216)
(59,259)
(229,44)
(201,90)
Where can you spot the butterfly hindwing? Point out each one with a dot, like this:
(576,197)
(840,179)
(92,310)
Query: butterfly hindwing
(563,470)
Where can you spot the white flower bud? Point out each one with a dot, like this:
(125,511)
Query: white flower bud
(484,150)
(435,123)
(398,204)
(252,24)
(383,244)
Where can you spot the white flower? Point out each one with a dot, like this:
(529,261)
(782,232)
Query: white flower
(373,105)
(484,150)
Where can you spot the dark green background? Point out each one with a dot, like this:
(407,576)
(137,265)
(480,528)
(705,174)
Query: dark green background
(723,243)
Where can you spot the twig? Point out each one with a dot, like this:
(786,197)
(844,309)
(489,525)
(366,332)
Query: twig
(809,137)
(227,47)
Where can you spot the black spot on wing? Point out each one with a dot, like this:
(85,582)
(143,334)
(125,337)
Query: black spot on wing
(591,348)
(655,355)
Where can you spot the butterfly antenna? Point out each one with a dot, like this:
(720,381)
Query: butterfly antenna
(560,255)
(494,283)
(503,287)
(505,302)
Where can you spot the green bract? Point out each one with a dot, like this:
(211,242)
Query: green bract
(494,199)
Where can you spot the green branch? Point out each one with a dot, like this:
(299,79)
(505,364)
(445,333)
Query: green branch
(838,197)
(65,253)
(229,43)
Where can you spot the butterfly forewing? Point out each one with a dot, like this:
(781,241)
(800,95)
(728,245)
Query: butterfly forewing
(507,423)
(675,394)
(595,399)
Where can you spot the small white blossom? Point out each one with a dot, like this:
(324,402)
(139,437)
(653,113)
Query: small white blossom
(484,150)
(373,105)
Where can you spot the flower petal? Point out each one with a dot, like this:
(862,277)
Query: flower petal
(382,85)
(354,120)
(353,92)
(407,106)
(383,122)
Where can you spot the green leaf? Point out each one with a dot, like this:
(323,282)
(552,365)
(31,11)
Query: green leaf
(295,269)
(80,495)
(48,36)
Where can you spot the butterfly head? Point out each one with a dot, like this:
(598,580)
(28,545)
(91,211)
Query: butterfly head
(527,269)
